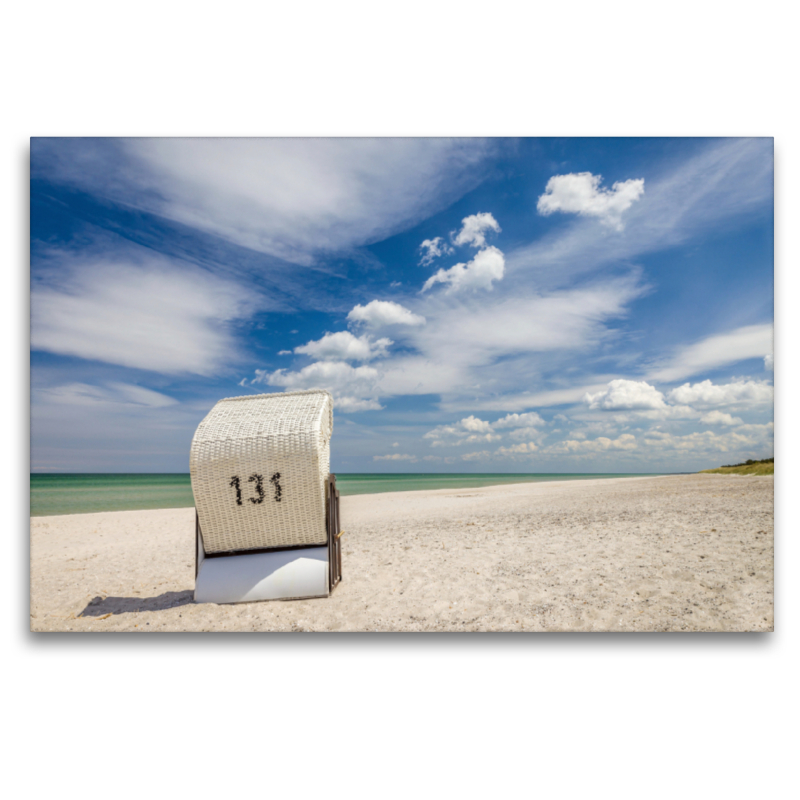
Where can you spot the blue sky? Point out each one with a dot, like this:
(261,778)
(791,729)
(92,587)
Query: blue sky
(526,305)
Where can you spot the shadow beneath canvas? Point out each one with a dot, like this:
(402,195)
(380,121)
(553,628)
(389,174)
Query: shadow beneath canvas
(99,606)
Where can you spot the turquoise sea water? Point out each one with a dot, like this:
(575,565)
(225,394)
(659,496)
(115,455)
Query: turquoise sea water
(87,493)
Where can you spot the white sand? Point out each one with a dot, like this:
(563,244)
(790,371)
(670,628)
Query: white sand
(688,553)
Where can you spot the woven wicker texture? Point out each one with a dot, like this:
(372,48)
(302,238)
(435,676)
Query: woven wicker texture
(259,468)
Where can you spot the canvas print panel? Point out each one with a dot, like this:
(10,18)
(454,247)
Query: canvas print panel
(550,363)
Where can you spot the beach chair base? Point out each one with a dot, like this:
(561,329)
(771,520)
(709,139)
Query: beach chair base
(289,574)
(275,575)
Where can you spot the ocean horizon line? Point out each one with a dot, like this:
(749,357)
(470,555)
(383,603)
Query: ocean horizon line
(383,473)
(56,493)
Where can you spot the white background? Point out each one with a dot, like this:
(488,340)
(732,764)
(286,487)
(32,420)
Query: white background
(489,716)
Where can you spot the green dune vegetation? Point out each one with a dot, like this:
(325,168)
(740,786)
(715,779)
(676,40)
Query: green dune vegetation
(749,467)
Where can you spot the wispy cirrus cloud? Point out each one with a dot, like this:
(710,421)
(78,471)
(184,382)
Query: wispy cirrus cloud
(97,424)
(113,393)
(465,345)
(140,311)
(750,341)
(476,331)
(291,198)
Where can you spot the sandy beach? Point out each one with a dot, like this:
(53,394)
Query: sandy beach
(677,553)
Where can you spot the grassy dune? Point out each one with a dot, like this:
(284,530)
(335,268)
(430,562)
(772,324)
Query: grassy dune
(765,467)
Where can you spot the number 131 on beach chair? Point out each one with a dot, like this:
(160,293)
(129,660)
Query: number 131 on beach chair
(267,508)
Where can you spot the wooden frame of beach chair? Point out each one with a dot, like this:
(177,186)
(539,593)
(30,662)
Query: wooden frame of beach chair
(251,546)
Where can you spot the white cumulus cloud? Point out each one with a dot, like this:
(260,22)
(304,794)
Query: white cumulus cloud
(395,457)
(477,456)
(719,418)
(626,395)
(432,249)
(343,346)
(353,388)
(472,423)
(474,228)
(635,400)
(748,440)
(472,429)
(527,420)
(769,362)
(378,313)
(517,449)
(627,441)
(487,266)
(580,193)
(465,431)
(471,439)
(707,394)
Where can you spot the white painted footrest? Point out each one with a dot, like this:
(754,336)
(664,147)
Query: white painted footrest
(278,575)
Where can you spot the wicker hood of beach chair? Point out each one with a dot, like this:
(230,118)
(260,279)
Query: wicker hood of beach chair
(259,467)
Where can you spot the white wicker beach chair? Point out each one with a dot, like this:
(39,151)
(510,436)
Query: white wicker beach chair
(267,508)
